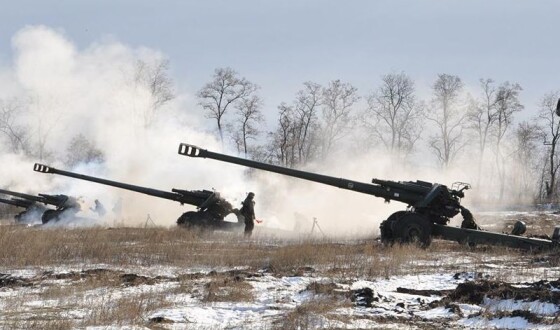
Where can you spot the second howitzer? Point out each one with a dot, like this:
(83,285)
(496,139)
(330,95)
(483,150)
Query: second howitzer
(211,207)
(32,210)
(430,206)
(64,205)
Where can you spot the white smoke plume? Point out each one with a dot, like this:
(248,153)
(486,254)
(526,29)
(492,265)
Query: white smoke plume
(95,92)
(92,91)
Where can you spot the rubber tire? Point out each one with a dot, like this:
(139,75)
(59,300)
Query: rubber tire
(190,219)
(49,215)
(413,228)
(387,228)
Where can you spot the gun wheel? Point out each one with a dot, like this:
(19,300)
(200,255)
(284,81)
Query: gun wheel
(387,228)
(413,228)
(193,219)
(49,215)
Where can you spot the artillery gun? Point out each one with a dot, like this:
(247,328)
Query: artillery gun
(211,207)
(32,209)
(64,205)
(430,207)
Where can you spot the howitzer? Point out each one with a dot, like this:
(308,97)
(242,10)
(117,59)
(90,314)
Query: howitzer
(32,210)
(211,207)
(430,206)
(64,205)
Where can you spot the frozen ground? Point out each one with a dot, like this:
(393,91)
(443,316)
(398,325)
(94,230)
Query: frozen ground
(418,301)
(443,287)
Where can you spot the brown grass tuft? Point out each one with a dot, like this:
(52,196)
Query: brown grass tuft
(228,289)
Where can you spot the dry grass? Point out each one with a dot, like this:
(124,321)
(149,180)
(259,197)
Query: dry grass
(232,289)
(120,249)
(130,310)
(312,314)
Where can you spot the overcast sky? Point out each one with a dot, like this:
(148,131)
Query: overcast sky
(281,44)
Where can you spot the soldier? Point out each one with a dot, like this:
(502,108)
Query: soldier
(248,213)
(468,220)
(99,208)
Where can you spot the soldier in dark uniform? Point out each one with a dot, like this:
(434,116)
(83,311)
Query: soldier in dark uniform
(468,220)
(99,209)
(248,213)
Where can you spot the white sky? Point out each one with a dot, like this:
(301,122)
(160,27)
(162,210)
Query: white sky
(281,44)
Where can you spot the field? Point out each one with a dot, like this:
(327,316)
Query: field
(169,278)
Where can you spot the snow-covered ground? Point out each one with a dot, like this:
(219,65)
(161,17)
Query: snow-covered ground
(274,300)
(444,287)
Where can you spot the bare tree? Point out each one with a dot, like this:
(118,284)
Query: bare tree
(483,113)
(248,118)
(447,117)
(526,159)
(81,150)
(155,77)
(393,114)
(338,100)
(551,130)
(507,103)
(481,118)
(15,134)
(225,89)
(283,139)
(307,105)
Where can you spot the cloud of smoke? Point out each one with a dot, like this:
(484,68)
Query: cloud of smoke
(95,92)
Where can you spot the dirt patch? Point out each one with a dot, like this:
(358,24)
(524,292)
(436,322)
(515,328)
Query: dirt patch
(323,288)
(475,291)
(228,287)
(102,276)
(426,293)
(7,280)
(75,276)
(160,320)
(133,280)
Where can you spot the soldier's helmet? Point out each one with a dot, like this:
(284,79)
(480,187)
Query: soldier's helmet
(251,195)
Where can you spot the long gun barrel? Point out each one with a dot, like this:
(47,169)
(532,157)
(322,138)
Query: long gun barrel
(195,198)
(17,202)
(418,194)
(377,190)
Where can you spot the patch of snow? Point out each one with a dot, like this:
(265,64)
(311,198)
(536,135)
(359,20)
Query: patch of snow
(220,315)
(436,313)
(417,282)
(498,323)
(509,305)
(41,303)
(469,310)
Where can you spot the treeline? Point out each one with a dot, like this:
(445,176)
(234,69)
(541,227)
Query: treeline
(513,160)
